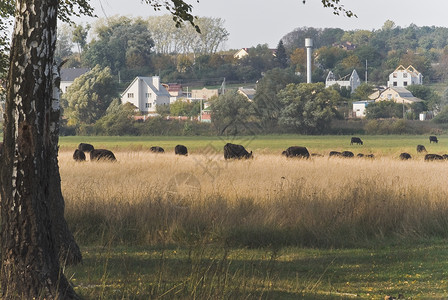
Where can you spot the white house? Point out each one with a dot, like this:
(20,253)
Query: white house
(241,53)
(353,82)
(146,93)
(359,108)
(68,76)
(402,77)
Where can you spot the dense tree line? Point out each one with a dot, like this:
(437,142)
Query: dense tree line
(383,49)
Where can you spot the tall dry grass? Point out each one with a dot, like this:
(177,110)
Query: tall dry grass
(148,198)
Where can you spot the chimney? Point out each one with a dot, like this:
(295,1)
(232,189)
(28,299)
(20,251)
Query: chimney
(309,52)
(156,82)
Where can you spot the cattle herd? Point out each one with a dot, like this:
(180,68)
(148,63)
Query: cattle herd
(234,151)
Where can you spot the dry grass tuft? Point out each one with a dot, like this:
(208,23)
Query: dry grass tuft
(148,198)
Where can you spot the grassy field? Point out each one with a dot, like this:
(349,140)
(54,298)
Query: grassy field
(389,145)
(199,227)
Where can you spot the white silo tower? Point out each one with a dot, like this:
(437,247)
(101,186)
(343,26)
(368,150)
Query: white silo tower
(309,52)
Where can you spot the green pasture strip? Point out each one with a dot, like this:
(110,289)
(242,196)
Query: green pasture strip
(379,144)
(208,272)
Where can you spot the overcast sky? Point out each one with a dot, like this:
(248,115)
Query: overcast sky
(253,22)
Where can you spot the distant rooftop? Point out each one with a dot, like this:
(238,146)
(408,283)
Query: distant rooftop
(72,73)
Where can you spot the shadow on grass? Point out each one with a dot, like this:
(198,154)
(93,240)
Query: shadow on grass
(290,273)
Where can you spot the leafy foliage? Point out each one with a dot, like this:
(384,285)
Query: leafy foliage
(384,109)
(184,108)
(89,96)
(122,43)
(268,105)
(308,107)
(231,111)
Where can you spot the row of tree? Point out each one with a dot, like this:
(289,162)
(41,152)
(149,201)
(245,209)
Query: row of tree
(281,100)
(131,47)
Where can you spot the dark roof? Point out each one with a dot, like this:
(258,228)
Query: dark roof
(72,73)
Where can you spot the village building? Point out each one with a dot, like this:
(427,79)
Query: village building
(175,90)
(403,77)
(241,53)
(69,75)
(249,93)
(146,93)
(204,94)
(399,95)
(359,108)
(353,81)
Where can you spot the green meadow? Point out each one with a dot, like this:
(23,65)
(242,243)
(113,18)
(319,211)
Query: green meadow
(386,145)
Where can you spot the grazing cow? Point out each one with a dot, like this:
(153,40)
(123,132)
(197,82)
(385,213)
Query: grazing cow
(85,147)
(102,154)
(180,150)
(347,154)
(157,149)
(421,148)
(335,153)
(296,151)
(356,140)
(433,138)
(429,157)
(445,156)
(236,151)
(370,156)
(78,155)
(405,156)
(360,155)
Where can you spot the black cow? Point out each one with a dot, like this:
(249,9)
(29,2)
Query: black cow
(85,147)
(78,155)
(347,154)
(296,151)
(157,149)
(433,138)
(335,153)
(102,154)
(421,148)
(429,157)
(360,155)
(236,151)
(181,150)
(445,156)
(370,156)
(356,140)
(405,156)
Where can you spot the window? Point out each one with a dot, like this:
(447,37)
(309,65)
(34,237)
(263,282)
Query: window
(148,95)
(395,75)
(389,96)
(146,105)
(395,83)
(405,75)
(405,83)
(130,95)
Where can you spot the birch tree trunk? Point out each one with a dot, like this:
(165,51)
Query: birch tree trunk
(34,232)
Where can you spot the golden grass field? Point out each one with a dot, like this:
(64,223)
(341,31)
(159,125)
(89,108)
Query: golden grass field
(148,198)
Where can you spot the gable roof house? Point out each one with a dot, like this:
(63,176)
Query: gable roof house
(402,77)
(69,75)
(353,82)
(146,93)
(249,93)
(399,95)
(241,53)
